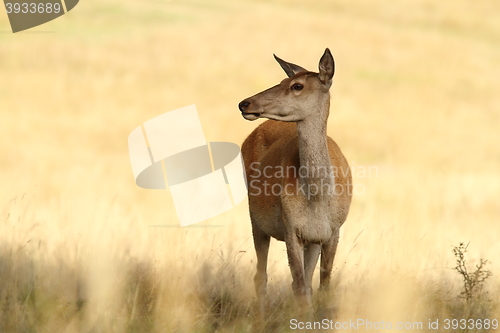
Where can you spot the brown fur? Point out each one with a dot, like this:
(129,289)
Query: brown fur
(308,222)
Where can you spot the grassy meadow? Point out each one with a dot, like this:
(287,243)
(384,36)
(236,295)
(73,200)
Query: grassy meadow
(415,108)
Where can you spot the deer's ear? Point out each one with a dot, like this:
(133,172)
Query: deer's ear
(326,67)
(289,68)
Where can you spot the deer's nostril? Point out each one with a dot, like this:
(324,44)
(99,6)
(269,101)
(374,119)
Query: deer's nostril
(243,105)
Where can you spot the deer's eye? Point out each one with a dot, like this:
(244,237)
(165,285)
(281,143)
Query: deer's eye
(297,86)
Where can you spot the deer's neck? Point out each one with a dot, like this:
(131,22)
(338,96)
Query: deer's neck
(315,163)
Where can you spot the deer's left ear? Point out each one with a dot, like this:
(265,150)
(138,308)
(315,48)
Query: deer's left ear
(289,68)
(326,67)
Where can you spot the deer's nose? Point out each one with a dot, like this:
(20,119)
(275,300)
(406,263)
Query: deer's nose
(243,105)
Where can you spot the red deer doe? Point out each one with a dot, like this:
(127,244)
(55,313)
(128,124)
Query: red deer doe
(299,183)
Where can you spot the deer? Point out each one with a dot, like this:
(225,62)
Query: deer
(299,182)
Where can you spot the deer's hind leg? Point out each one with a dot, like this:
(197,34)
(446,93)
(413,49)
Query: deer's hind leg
(261,242)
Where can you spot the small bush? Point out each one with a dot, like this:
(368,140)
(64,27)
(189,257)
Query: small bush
(472,281)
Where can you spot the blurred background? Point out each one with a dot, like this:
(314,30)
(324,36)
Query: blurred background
(415,109)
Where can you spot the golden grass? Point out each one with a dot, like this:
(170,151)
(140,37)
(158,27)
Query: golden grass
(415,94)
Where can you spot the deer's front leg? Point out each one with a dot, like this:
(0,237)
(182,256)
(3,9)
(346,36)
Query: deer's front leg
(328,251)
(295,252)
(311,255)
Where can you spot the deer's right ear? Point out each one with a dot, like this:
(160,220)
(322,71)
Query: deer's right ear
(289,68)
(326,67)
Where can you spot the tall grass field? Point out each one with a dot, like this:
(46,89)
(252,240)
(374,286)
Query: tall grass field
(415,108)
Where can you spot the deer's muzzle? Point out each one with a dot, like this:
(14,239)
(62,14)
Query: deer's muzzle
(243,106)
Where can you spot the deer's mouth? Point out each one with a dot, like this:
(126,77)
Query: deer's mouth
(250,116)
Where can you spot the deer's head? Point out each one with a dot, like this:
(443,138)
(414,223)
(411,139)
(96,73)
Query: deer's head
(301,95)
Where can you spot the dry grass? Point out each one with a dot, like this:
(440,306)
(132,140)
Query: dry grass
(415,94)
